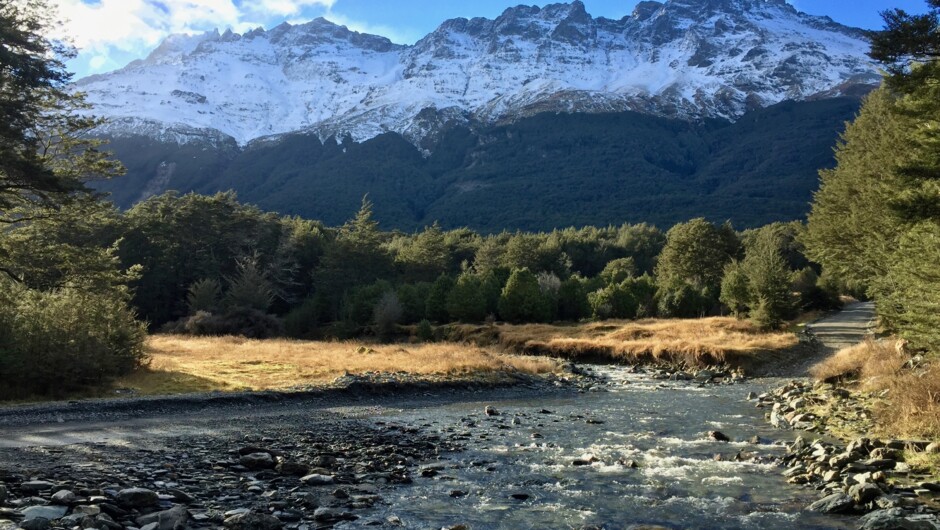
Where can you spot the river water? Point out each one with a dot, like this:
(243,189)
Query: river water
(529,450)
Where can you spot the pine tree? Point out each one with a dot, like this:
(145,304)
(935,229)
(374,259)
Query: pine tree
(521,300)
(466,301)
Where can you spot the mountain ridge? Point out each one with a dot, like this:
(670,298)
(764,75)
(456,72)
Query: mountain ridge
(691,59)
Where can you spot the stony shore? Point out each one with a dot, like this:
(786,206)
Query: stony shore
(865,476)
(270,461)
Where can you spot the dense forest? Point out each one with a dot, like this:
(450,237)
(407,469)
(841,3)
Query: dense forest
(539,173)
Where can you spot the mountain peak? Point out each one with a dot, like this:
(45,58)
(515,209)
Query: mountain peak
(680,58)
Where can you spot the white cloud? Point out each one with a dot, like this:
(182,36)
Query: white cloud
(99,28)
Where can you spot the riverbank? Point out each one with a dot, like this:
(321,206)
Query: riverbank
(855,409)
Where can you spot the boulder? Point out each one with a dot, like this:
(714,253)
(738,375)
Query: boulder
(63,497)
(718,436)
(257,461)
(835,503)
(173,519)
(894,519)
(49,513)
(137,498)
(864,493)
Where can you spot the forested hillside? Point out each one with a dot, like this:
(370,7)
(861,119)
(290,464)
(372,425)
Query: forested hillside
(547,171)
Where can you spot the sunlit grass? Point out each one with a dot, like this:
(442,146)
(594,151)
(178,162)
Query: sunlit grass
(706,341)
(193,364)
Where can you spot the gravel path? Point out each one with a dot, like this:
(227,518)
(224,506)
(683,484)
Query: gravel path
(845,328)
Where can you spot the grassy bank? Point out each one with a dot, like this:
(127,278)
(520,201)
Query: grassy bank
(691,342)
(908,403)
(194,364)
(901,397)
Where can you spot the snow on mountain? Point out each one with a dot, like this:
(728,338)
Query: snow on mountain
(686,58)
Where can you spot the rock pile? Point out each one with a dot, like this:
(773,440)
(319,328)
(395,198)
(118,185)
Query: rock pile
(866,477)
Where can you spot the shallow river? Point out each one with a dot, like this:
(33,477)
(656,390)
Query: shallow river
(662,426)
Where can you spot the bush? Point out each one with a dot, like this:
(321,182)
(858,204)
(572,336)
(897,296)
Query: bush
(359,306)
(683,302)
(54,342)
(424,331)
(244,322)
(734,289)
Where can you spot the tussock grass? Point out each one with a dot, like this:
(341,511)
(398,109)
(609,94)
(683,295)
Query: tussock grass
(693,342)
(186,364)
(912,405)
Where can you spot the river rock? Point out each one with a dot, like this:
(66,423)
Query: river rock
(46,512)
(38,523)
(294,469)
(253,521)
(835,503)
(317,479)
(894,519)
(173,519)
(63,497)
(718,436)
(35,486)
(520,496)
(863,493)
(490,411)
(3,494)
(257,461)
(137,498)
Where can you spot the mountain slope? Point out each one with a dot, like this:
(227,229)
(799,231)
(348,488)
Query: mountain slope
(549,170)
(691,59)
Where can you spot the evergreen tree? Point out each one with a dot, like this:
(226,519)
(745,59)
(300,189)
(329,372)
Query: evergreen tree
(436,308)
(46,153)
(466,301)
(522,300)
(573,302)
(695,253)
(734,289)
(768,281)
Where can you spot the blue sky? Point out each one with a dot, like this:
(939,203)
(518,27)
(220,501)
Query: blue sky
(111,33)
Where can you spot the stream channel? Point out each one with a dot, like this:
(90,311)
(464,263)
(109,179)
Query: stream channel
(529,450)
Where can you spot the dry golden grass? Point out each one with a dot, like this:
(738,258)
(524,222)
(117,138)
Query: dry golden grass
(869,361)
(912,405)
(694,342)
(187,364)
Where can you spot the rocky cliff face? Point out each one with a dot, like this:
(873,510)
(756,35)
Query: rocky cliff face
(678,58)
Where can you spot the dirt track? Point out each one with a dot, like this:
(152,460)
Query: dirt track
(845,328)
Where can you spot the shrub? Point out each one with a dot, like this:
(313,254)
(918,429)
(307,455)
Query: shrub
(683,301)
(614,301)
(424,331)
(54,342)
(242,321)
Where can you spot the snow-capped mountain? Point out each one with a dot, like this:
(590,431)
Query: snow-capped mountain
(684,58)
